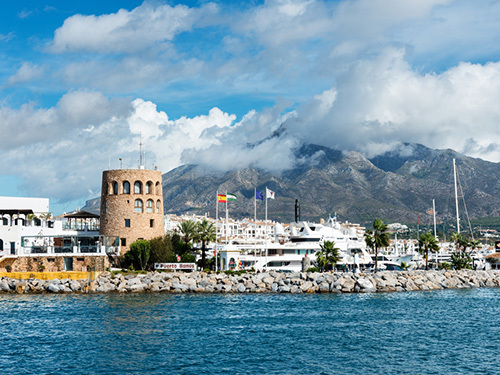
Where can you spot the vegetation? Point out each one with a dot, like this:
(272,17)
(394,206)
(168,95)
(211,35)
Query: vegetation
(139,253)
(161,251)
(427,242)
(329,255)
(204,233)
(312,269)
(378,238)
(460,258)
(404,266)
(188,229)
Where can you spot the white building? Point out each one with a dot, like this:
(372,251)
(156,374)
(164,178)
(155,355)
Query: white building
(27,230)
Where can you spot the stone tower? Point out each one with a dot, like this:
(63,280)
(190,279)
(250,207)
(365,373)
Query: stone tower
(131,205)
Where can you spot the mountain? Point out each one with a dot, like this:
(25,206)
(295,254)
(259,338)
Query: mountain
(395,186)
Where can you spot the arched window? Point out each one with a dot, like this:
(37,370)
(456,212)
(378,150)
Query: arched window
(5,221)
(158,188)
(138,206)
(126,187)
(149,187)
(138,187)
(149,206)
(115,188)
(158,206)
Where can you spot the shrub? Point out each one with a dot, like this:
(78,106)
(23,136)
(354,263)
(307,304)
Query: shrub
(312,269)
(139,253)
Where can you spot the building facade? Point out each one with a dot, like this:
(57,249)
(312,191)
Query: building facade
(131,205)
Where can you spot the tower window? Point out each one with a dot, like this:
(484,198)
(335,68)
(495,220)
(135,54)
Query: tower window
(123,241)
(158,188)
(149,206)
(152,223)
(149,187)
(138,187)
(115,187)
(126,187)
(158,207)
(138,206)
(127,223)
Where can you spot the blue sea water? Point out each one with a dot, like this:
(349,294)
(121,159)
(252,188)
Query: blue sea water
(438,332)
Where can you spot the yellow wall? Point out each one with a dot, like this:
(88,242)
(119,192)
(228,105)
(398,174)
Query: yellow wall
(73,275)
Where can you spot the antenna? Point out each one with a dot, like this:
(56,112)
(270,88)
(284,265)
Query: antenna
(141,164)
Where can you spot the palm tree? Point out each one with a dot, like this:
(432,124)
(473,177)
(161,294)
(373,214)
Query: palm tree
(427,242)
(377,238)
(329,254)
(460,258)
(188,231)
(205,232)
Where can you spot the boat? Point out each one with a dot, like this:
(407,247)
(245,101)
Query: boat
(287,253)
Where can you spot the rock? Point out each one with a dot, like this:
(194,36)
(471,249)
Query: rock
(364,285)
(241,288)
(54,288)
(4,287)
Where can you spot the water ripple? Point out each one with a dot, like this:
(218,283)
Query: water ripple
(439,332)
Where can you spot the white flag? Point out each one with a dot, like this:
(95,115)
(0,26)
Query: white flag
(269,194)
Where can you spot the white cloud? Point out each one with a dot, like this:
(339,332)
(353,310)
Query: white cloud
(384,101)
(26,72)
(126,31)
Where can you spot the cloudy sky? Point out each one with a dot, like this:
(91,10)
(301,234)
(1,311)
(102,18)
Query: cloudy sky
(197,81)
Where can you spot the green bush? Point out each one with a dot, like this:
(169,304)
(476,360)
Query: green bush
(312,269)
(138,255)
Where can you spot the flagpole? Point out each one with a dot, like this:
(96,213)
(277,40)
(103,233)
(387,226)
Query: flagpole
(255,224)
(227,223)
(265,235)
(216,222)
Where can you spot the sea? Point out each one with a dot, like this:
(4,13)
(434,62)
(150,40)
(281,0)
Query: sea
(432,332)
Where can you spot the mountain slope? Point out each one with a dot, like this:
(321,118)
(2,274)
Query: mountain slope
(395,186)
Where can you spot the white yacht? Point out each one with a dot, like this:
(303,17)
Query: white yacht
(305,240)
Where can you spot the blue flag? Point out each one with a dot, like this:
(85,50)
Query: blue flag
(259,196)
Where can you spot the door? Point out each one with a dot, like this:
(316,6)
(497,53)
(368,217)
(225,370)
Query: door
(13,248)
(68,264)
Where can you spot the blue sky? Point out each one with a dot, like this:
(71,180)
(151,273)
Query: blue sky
(197,81)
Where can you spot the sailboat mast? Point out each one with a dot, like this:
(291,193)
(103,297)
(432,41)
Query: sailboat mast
(456,194)
(434,214)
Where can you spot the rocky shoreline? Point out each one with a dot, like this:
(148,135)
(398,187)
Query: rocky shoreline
(271,282)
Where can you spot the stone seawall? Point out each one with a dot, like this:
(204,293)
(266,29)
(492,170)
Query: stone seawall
(272,282)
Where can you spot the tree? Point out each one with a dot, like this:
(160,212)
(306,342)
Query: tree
(205,233)
(460,258)
(161,250)
(139,254)
(328,255)
(378,238)
(427,242)
(188,231)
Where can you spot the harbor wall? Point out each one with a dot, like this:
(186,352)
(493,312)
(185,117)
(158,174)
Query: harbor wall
(272,282)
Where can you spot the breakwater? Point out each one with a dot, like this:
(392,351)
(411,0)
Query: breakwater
(267,282)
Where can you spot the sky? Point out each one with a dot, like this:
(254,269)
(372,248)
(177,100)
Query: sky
(83,84)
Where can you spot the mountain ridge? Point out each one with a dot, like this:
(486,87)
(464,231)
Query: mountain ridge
(395,186)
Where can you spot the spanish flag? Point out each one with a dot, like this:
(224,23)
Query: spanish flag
(221,198)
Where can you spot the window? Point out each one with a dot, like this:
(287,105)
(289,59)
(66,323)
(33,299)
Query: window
(158,188)
(138,206)
(149,187)
(138,187)
(5,221)
(158,207)
(123,241)
(126,187)
(152,223)
(115,187)
(127,223)
(1,245)
(149,206)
